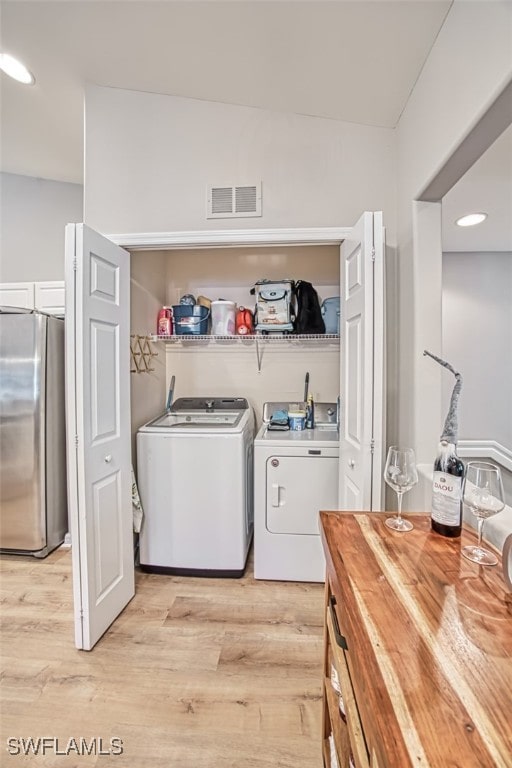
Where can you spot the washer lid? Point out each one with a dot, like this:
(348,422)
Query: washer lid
(194,420)
(209,404)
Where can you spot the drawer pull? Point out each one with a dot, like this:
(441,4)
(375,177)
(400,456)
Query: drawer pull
(340,640)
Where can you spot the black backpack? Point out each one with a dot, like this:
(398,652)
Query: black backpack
(309,314)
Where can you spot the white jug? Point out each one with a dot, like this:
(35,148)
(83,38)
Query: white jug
(223,317)
(506,561)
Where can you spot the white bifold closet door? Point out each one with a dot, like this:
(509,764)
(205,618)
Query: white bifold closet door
(98,424)
(362,365)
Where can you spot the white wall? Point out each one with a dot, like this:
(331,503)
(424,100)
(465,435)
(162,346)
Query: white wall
(147,293)
(33,214)
(230,273)
(149,159)
(469,65)
(224,370)
(477,340)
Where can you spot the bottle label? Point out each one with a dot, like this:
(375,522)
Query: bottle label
(446,497)
(164,326)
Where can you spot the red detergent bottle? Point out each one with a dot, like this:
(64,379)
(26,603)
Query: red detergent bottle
(164,323)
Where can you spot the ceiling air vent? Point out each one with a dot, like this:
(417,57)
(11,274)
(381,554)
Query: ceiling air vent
(234,202)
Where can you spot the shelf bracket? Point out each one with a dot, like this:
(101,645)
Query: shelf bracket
(259,353)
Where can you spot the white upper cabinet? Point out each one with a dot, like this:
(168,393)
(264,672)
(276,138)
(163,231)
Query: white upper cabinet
(50,297)
(17,295)
(47,296)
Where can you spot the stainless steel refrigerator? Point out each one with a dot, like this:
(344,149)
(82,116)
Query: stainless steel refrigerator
(33,493)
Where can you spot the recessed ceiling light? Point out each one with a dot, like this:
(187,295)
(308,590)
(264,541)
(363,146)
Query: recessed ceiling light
(16,69)
(471,219)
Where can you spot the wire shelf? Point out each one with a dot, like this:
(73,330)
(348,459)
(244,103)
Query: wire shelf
(270,338)
(257,341)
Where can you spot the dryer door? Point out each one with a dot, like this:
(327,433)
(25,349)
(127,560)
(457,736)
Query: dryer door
(298,487)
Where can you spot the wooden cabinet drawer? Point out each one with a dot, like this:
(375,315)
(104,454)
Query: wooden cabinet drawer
(350,736)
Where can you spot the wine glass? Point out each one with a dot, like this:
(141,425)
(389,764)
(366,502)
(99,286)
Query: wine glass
(483,494)
(400,474)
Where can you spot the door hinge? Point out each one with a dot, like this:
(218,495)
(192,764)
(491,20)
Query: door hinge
(372,446)
(75,265)
(76,439)
(373,253)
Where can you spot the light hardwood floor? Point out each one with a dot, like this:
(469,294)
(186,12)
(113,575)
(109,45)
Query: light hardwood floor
(195,673)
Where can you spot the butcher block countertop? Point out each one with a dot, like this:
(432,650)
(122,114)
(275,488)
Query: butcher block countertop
(429,637)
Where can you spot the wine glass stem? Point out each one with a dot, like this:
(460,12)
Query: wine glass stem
(480,524)
(399,495)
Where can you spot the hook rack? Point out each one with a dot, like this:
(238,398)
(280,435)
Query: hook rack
(141,353)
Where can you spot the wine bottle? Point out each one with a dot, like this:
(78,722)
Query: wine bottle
(446,516)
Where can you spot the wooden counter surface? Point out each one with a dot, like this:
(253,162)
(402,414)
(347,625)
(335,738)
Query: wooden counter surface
(429,638)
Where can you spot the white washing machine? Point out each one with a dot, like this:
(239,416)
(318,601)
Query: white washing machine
(295,476)
(195,473)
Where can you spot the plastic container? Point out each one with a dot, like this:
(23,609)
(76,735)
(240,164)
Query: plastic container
(244,322)
(331,314)
(190,320)
(297,420)
(310,413)
(223,317)
(164,323)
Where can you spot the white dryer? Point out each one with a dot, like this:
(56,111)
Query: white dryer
(195,477)
(295,476)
